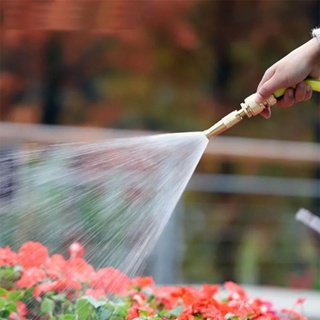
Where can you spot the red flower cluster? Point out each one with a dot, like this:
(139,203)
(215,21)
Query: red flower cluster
(75,278)
(57,274)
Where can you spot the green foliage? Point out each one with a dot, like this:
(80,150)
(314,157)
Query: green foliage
(8,276)
(8,302)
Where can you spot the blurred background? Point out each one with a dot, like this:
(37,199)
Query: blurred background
(176,66)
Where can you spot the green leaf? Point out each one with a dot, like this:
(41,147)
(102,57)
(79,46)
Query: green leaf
(67,317)
(4,314)
(47,306)
(104,313)
(3,303)
(9,274)
(176,311)
(143,313)
(11,306)
(84,309)
(59,297)
(94,302)
(118,311)
(28,293)
(14,295)
(3,291)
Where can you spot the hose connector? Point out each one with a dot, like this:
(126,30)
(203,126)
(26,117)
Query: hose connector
(249,108)
(252,108)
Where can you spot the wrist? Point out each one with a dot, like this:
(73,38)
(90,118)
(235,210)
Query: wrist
(314,52)
(316,34)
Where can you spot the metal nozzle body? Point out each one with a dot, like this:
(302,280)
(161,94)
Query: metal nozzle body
(225,123)
(249,108)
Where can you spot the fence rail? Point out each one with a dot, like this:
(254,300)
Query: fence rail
(225,147)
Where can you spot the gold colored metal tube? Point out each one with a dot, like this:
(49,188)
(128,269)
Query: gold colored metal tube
(225,123)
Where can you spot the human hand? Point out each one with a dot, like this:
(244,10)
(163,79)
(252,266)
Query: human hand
(289,72)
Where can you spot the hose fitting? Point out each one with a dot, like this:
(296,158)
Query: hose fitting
(249,108)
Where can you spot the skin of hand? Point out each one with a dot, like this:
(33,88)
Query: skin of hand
(290,72)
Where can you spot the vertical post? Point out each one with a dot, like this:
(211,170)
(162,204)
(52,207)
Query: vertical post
(165,261)
(52,78)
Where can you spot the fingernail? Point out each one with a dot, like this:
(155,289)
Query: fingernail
(308,88)
(258,98)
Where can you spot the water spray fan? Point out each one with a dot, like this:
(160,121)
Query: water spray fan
(251,108)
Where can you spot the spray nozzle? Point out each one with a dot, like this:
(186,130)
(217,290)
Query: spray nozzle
(251,108)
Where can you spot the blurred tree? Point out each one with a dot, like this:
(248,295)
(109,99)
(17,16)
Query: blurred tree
(81,41)
(165,65)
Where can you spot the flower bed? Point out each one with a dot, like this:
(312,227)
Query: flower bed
(34,285)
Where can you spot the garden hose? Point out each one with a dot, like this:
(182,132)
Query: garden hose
(251,108)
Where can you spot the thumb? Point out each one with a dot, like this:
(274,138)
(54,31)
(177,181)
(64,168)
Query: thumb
(266,90)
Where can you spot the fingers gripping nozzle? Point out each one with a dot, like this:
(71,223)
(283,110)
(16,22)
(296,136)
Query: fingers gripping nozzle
(252,108)
(249,108)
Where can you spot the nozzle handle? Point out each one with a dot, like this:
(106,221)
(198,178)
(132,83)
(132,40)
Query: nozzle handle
(252,108)
(313,83)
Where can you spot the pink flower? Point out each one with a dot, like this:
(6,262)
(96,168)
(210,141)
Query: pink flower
(76,277)
(78,269)
(95,293)
(32,254)
(76,250)
(168,296)
(236,292)
(142,282)
(133,313)
(55,266)
(210,291)
(30,277)
(110,280)
(185,317)
(20,314)
(45,287)
(8,257)
(293,314)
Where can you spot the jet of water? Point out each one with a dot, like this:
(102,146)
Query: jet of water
(114,197)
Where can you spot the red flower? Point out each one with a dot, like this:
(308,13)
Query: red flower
(185,317)
(45,287)
(294,314)
(142,282)
(76,277)
(110,280)
(78,269)
(236,292)
(30,277)
(133,313)
(138,298)
(188,297)
(68,285)
(210,291)
(7,257)
(55,266)
(168,296)
(32,254)
(20,314)
(95,293)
